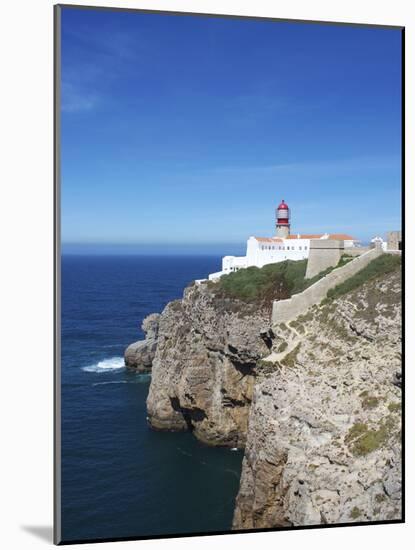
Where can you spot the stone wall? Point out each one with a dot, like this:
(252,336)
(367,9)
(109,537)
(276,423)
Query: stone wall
(324,253)
(394,240)
(357,250)
(285,310)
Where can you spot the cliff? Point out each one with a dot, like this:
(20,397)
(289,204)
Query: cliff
(323,443)
(315,401)
(205,366)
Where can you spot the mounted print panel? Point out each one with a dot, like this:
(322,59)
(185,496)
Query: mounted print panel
(229,247)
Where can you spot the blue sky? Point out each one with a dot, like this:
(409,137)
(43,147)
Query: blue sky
(184,132)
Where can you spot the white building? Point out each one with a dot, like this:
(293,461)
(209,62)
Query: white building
(378,242)
(261,251)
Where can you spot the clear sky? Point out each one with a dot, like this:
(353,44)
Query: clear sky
(186,132)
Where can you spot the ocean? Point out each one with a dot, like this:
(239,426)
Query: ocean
(119,477)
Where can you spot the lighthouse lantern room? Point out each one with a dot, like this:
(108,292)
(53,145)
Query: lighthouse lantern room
(282,220)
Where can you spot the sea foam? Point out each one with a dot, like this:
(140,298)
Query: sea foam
(106,365)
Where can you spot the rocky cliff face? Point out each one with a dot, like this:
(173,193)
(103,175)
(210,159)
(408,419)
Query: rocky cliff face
(315,402)
(140,355)
(205,366)
(323,443)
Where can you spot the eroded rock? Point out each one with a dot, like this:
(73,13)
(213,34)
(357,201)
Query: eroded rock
(204,368)
(140,355)
(323,443)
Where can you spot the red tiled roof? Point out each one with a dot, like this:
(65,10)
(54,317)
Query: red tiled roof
(333,236)
(305,236)
(341,237)
(268,239)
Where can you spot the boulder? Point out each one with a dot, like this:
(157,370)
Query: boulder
(140,354)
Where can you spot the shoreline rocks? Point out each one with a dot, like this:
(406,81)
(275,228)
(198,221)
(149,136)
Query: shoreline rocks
(140,355)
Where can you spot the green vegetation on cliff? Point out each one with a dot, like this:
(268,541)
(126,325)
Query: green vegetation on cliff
(281,280)
(271,282)
(382,265)
(274,279)
(362,440)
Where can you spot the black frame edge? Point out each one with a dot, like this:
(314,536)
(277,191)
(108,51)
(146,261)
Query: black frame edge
(229,16)
(57,276)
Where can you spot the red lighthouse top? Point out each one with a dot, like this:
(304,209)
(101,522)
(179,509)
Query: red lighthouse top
(282,216)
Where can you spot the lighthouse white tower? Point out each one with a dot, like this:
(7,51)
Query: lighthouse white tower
(282,220)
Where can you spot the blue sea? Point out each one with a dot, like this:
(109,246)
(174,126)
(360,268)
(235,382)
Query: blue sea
(120,478)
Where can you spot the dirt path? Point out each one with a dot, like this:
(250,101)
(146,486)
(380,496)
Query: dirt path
(275,357)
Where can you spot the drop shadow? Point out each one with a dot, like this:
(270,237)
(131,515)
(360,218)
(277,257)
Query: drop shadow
(43,532)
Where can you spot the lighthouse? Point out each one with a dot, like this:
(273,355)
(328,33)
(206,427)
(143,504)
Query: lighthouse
(282,246)
(282,220)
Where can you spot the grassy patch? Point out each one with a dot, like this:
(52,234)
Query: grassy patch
(290,359)
(361,440)
(345,259)
(298,326)
(355,513)
(273,281)
(282,347)
(382,265)
(394,407)
(370,402)
(277,281)
(305,317)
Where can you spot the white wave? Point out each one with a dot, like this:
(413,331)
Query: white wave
(106,365)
